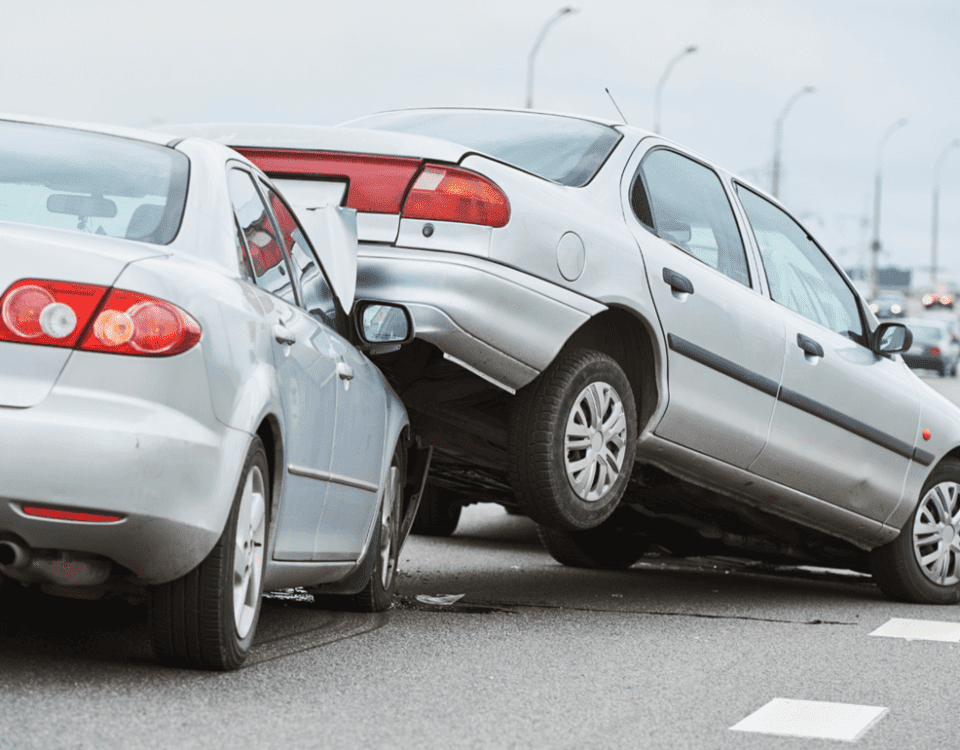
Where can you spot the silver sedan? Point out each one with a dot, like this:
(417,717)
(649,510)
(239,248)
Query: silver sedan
(634,346)
(183,416)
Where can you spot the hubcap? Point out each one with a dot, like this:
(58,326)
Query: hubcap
(388,529)
(248,552)
(936,543)
(595,440)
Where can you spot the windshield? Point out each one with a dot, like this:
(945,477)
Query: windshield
(562,149)
(90,182)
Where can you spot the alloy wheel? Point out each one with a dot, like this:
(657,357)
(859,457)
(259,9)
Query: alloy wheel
(936,534)
(594,441)
(248,552)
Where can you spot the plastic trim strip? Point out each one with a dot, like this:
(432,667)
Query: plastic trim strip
(329,476)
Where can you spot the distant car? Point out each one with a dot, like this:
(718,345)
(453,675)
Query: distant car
(183,416)
(936,345)
(633,345)
(889,305)
(941,297)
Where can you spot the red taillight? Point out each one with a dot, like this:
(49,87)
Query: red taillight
(450,194)
(52,313)
(935,351)
(927,299)
(132,323)
(945,299)
(377,184)
(69,515)
(57,313)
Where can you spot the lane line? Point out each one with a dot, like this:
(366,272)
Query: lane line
(920,630)
(811,719)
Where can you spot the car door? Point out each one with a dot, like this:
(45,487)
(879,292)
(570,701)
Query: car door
(358,445)
(725,353)
(305,363)
(846,421)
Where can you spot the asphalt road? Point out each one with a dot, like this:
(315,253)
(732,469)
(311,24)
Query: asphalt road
(670,654)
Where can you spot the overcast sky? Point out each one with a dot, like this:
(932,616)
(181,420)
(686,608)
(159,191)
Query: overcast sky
(872,63)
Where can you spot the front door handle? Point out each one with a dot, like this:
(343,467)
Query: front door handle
(345,371)
(809,346)
(678,282)
(284,335)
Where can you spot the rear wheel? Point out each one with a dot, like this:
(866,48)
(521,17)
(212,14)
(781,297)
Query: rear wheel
(610,546)
(207,618)
(438,514)
(923,563)
(573,437)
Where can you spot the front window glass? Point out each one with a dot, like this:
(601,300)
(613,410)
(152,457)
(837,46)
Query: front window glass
(687,205)
(562,149)
(800,275)
(269,267)
(91,182)
(316,291)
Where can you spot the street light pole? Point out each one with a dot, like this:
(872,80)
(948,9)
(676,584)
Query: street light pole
(875,245)
(935,223)
(778,139)
(663,80)
(536,46)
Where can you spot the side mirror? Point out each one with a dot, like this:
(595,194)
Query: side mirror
(382,326)
(891,338)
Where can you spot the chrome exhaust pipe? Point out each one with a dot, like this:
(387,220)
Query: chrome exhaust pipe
(13,555)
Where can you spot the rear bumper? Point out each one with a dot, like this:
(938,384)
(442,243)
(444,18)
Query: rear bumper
(501,323)
(169,471)
(926,362)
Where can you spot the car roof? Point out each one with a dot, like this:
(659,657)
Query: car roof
(120,131)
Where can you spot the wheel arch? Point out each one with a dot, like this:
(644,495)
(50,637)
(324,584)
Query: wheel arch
(629,339)
(270,435)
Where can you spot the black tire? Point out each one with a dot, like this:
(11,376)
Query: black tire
(895,566)
(610,546)
(373,587)
(539,449)
(193,620)
(438,514)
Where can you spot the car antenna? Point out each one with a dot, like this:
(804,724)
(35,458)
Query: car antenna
(615,105)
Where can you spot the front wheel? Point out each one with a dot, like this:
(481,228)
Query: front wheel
(923,564)
(207,618)
(573,437)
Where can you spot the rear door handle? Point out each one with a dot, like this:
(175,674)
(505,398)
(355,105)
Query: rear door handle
(809,346)
(678,282)
(284,335)
(345,371)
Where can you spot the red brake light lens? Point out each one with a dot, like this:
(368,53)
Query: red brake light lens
(935,351)
(58,313)
(132,323)
(450,194)
(51,313)
(376,183)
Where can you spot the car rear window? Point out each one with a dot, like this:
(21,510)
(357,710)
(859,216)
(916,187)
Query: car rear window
(91,182)
(561,149)
(926,333)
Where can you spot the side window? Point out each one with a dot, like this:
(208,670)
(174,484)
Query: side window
(270,270)
(315,289)
(243,260)
(800,275)
(685,203)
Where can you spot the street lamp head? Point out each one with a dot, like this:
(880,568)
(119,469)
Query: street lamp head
(691,48)
(569,9)
(901,122)
(809,89)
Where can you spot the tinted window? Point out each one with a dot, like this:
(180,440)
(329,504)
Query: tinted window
(90,182)
(268,265)
(562,149)
(688,207)
(800,275)
(315,290)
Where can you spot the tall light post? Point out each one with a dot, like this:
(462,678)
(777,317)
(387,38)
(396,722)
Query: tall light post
(663,79)
(935,223)
(778,139)
(536,46)
(875,245)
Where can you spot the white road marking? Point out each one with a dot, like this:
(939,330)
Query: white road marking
(812,719)
(920,630)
